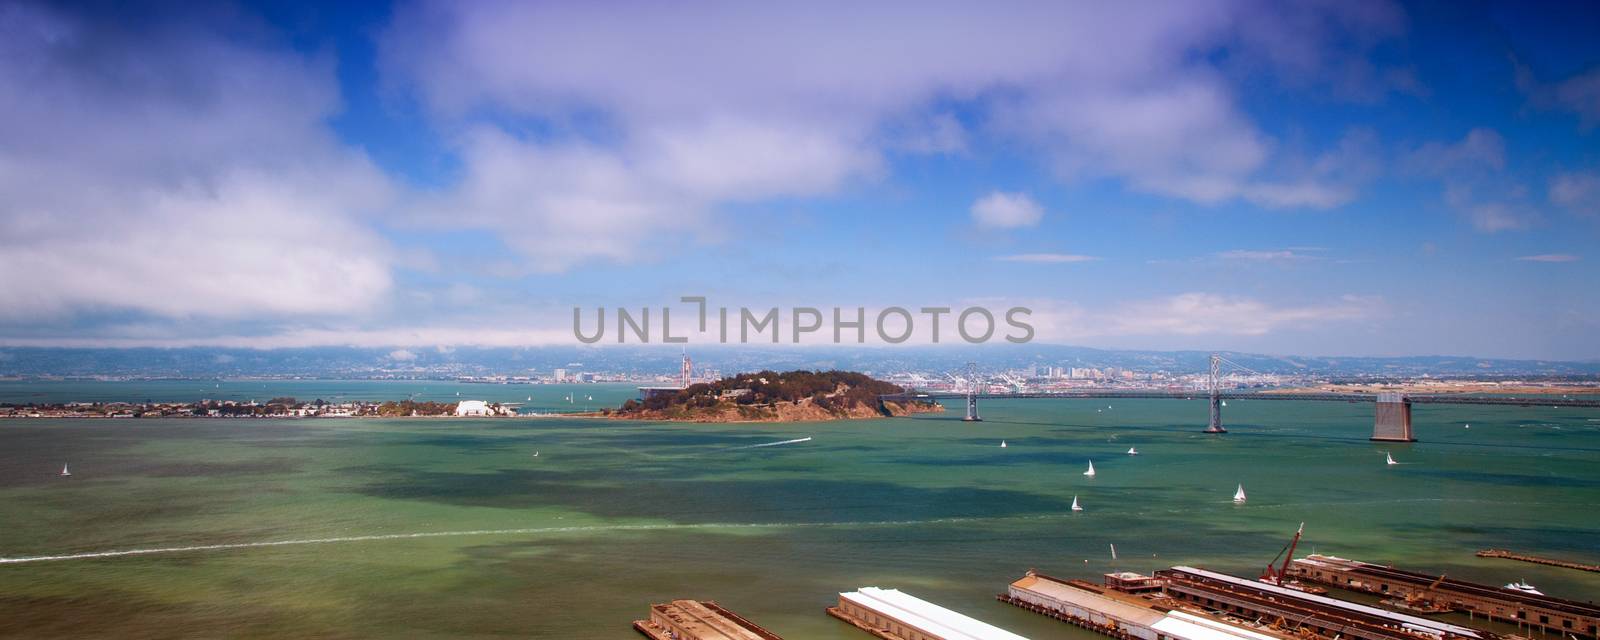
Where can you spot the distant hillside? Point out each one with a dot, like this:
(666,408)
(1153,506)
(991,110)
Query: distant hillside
(769,396)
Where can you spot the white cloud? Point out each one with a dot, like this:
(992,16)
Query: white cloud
(1194,314)
(1208,313)
(1551,257)
(178,175)
(1473,172)
(1577,191)
(402,355)
(1481,149)
(1047,258)
(1277,255)
(1002,210)
(667,115)
(1579,94)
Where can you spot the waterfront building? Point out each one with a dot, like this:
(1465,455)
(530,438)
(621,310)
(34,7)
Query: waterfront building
(698,620)
(894,615)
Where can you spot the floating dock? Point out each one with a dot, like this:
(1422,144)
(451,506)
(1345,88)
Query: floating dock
(1121,614)
(1535,612)
(698,620)
(1302,613)
(890,614)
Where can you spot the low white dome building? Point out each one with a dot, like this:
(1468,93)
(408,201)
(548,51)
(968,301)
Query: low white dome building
(473,408)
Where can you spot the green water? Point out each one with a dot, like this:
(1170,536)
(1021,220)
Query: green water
(612,516)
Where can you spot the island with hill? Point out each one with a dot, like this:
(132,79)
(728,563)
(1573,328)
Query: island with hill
(769,396)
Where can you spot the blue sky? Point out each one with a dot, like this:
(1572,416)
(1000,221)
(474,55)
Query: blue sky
(1318,178)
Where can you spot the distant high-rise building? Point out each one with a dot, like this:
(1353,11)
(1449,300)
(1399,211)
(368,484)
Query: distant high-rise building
(687,373)
(561,375)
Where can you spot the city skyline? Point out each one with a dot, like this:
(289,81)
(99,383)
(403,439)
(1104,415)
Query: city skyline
(1339,179)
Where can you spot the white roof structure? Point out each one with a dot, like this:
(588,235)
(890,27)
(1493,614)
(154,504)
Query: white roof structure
(927,616)
(1180,624)
(472,408)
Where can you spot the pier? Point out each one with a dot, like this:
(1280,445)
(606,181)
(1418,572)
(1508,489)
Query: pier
(698,620)
(1122,615)
(1532,611)
(890,614)
(1512,555)
(1300,612)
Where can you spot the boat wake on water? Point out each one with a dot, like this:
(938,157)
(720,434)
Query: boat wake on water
(773,444)
(91,555)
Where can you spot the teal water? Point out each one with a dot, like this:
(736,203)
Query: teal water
(612,516)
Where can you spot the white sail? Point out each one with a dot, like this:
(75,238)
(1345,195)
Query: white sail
(1090,472)
(1388,459)
(1133,451)
(1113,551)
(1002,444)
(1075,506)
(1238,496)
(64,470)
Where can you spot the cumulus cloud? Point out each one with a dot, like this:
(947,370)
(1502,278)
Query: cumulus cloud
(177,174)
(1002,210)
(682,112)
(1046,258)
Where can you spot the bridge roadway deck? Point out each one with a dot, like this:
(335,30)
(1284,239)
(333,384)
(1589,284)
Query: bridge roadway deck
(1520,401)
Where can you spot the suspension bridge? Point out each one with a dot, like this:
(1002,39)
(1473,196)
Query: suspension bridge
(1391,413)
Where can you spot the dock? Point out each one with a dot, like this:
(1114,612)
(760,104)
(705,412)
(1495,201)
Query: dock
(1302,613)
(1512,555)
(1122,614)
(698,620)
(1534,612)
(890,614)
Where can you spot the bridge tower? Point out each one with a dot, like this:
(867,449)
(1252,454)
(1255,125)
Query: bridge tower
(972,393)
(1392,419)
(1215,426)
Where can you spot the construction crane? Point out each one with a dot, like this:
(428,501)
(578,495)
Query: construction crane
(1274,575)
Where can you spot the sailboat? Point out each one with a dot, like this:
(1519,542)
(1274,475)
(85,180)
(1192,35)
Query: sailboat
(1238,496)
(1090,472)
(1388,459)
(1075,506)
(536,454)
(1224,403)
(1467,426)
(64,471)
(1132,451)
(1002,444)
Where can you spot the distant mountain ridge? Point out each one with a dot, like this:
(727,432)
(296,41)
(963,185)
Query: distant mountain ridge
(363,362)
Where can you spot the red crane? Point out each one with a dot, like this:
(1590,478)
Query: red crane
(1275,575)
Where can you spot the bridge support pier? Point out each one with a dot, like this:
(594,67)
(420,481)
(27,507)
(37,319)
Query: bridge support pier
(1215,426)
(972,410)
(1392,419)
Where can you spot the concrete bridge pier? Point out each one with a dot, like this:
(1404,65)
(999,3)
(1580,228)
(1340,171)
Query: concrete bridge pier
(972,409)
(1392,419)
(1215,426)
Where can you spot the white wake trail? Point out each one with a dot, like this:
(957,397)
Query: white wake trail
(773,444)
(474,532)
